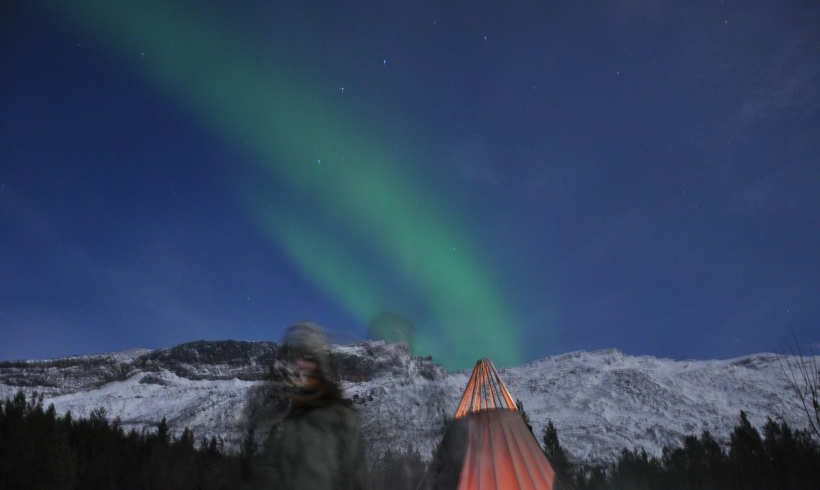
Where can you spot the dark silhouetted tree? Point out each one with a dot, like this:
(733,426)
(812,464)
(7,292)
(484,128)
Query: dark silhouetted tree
(635,470)
(554,452)
(699,463)
(162,432)
(794,455)
(526,418)
(751,465)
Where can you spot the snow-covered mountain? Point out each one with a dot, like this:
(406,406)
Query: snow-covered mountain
(600,402)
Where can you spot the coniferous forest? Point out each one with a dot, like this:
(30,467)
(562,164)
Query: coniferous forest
(41,450)
(779,458)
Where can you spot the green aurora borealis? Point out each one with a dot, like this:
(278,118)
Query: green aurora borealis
(351,214)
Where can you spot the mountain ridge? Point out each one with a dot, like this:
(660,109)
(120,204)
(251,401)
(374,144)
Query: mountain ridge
(600,401)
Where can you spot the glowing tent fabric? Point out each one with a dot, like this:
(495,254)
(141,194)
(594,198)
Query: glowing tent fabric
(503,454)
(488,446)
(485,391)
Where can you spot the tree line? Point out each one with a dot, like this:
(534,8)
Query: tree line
(780,458)
(42,450)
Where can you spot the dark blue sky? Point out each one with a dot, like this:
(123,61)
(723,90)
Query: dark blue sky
(640,175)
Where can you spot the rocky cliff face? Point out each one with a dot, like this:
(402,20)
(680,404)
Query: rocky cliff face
(204,360)
(599,401)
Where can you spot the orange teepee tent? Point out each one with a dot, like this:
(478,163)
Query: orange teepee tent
(488,446)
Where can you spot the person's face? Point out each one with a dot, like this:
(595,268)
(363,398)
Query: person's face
(306,368)
(298,367)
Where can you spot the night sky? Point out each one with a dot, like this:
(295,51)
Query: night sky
(518,178)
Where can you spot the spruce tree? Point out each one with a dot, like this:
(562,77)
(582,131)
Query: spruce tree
(795,455)
(526,418)
(554,452)
(162,432)
(635,470)
(752,467)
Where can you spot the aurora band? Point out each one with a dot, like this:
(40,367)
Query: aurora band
(323,158)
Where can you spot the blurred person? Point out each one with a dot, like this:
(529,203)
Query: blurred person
(318,444)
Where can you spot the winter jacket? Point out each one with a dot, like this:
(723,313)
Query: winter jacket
(314,448)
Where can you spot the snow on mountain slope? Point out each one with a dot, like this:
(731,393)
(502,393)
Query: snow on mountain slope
(603,401)
(600,402)
(207,407)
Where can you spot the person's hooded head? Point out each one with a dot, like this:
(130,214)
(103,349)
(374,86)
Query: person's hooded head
(305,348)
(305,345)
